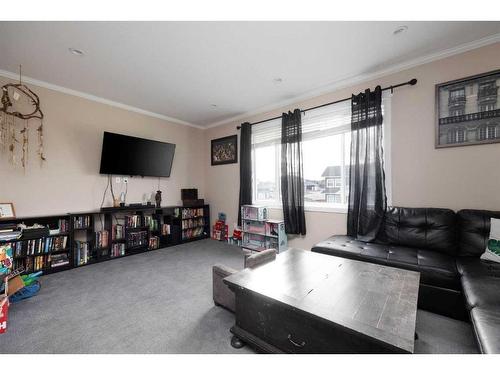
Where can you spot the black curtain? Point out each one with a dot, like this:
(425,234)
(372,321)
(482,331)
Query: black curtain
(367,197)
(292,180)
(245,167)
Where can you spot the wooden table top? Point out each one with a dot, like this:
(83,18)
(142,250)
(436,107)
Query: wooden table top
(373,300)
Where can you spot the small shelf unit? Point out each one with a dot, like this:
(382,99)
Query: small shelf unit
(261,233)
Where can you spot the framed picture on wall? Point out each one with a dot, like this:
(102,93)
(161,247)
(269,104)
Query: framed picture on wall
(468,111)
(225,150)
(7,211)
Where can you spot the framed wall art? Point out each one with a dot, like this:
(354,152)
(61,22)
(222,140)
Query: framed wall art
(468,111)
(7,211)
(225,150)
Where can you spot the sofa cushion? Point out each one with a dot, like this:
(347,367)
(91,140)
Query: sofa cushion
(474,231)
(424,228)
(486,325)
(435,269)
(468,266)
(481,291)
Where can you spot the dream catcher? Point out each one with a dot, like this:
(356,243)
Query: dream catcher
(18,106)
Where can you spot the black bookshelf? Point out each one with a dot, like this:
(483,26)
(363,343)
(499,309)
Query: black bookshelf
(153,228)
(50,252)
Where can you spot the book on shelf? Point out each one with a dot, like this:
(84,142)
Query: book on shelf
(117,232)
(193,223)
(9,232)
(117,249)
(154,242)
(41,262)
(37,246)
(151,222)
(189,213)
(63,225)
(59,260)
(192,233)
(165,229)
(81,221)
(133,221)
(135,239)
(102,239)
(82,253)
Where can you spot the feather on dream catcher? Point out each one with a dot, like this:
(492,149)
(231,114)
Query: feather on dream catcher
(18,106)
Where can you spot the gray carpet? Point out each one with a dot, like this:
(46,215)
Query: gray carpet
(157,302)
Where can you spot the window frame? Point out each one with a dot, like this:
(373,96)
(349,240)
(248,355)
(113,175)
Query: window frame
(331,208)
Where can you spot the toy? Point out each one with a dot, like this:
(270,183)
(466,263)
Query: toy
(4,310)
(26,292)
(5,259)
(31,278)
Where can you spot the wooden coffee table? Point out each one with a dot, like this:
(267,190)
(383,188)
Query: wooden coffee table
(306,302)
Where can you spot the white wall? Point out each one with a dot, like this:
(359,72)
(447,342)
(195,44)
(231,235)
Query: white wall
(460,177)
(69,180)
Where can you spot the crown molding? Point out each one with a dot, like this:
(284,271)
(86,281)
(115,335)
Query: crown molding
(94,98)
(354,80)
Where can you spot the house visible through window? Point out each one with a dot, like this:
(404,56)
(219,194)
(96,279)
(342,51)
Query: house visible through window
(326,140)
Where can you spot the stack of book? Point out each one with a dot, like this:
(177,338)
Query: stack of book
(102,239)
(9,232)
(59,260)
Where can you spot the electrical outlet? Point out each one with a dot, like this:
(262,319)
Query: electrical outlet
(125,180)
(118,180)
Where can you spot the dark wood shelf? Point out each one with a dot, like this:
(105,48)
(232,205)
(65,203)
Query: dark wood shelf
(171,215)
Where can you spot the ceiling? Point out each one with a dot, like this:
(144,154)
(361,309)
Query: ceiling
(181,69)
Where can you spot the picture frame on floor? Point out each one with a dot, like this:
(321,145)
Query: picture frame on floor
(224,150)
(468,111)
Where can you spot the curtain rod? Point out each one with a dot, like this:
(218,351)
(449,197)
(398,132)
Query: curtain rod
(411,82)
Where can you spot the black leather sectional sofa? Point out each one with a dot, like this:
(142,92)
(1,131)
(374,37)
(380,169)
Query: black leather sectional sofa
(444,247)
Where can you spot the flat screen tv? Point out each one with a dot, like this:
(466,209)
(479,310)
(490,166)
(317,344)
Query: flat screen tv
(132,156)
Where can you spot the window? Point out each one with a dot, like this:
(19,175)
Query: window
(486,107)
(457,93)
(457,112)
(326,140)
(456,135)
(492,132)
(266,157)
(482,133)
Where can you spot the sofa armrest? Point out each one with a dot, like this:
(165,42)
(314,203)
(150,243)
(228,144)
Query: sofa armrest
(222,295)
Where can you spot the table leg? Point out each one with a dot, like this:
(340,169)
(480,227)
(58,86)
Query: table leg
(237,343)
